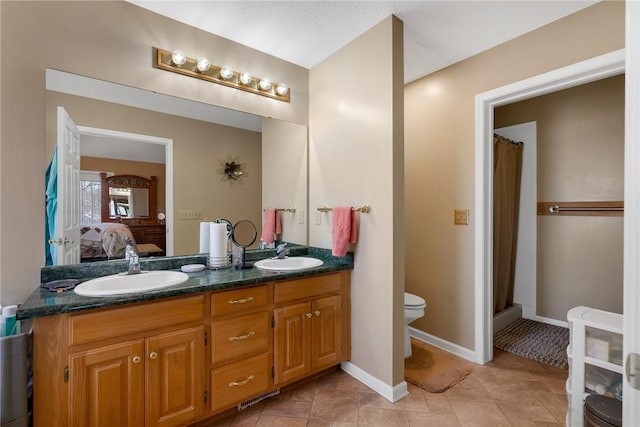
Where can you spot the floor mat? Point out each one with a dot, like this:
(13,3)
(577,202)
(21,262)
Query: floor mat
(535,340)
(433,369)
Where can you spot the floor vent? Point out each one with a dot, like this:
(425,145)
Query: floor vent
(250,402)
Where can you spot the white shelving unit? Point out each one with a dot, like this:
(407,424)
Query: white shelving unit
(595,358)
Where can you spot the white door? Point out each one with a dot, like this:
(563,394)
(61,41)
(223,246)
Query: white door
(67,233)
(631,345)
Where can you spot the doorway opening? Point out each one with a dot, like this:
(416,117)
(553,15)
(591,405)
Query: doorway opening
(574,75)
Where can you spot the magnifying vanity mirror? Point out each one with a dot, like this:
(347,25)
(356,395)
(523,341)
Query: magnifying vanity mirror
(244,235)
(181,143)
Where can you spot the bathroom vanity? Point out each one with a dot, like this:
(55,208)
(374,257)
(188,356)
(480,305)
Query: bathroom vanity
(185,353)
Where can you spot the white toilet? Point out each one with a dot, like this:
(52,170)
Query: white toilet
(413,309)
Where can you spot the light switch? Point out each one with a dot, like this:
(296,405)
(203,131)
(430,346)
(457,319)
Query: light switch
(461,216)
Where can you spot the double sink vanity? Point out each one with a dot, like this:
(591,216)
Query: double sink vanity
(184,352)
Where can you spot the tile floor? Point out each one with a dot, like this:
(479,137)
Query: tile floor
(509,391)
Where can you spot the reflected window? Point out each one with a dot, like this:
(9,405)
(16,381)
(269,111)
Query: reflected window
(90,198)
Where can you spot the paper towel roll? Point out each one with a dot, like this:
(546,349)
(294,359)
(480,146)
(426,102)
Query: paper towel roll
(217,239)
(204,237)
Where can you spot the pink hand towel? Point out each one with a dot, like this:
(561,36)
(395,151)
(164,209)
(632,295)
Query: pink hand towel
(344,229)
(271,225)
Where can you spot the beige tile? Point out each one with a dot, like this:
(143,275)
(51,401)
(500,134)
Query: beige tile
(369,400)
(333,394)
(304,393)
(479,414)
(348,383)
(468,394)
(278,421)
(422,419)
(287,407)
(413,402)
(523,415)
(313,422)
(335,410)
(382,417)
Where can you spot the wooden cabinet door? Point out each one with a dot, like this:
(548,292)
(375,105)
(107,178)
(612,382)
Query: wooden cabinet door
(326,341)
(174,377)
(107,386)
(292,335)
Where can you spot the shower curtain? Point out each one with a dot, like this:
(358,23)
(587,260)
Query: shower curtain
(506,203)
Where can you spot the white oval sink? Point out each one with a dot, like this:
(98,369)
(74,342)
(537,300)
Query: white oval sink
(288,264)
(129,284)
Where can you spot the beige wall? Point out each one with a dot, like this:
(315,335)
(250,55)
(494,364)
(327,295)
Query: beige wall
(439,156)
(286,187)
(580,158)
(111,41)
(128,167)
(355,157)
(198,150)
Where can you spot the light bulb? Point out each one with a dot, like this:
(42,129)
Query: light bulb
(245,78)
(282,89)
(203,64)
(226,73)
(178,57)
(265,84)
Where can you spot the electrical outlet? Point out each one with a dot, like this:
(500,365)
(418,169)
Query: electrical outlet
(301,216)
(196,214)
(185,214)
(461,216)
(318,218)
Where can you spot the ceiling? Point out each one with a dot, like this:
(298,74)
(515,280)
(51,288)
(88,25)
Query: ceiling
(436,33)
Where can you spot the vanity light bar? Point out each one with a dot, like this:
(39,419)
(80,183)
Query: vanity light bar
(201,69)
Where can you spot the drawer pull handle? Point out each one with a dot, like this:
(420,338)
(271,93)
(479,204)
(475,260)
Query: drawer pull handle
(242,337)
(136,359)
(241,301)
(308,315)
(317,313)
(153,355)
(243,382)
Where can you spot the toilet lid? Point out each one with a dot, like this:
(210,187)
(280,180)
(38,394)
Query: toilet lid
(412,300)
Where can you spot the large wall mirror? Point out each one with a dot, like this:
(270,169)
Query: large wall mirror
(185,146)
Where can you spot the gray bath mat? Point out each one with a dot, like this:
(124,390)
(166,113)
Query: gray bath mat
(534,340)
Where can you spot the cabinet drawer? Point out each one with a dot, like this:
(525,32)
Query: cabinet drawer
(94,326)
(240,336)
(306,288)
(239,300)
(237,382)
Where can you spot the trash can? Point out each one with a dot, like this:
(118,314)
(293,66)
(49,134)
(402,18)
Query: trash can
(14,411)
(602,411)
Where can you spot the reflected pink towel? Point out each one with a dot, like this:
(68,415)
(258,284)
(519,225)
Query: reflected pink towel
(344,229)
(271,225)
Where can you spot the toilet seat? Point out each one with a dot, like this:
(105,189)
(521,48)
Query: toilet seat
(413,301)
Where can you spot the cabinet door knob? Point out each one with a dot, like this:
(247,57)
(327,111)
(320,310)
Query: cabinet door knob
(308,315)
(243,382)
(136,359)
(317,313)
(153,355)
(242,337)
(241,301)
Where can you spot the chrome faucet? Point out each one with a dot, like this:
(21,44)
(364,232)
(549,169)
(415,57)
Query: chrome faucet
(282,251)
(134,261)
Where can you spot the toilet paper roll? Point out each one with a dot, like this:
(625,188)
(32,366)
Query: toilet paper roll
(217,239)
(204,237)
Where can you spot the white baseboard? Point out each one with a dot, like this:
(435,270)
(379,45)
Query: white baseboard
(550,321)
(392,394)
(456,349)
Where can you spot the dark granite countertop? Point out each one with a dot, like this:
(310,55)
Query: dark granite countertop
(43,302)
